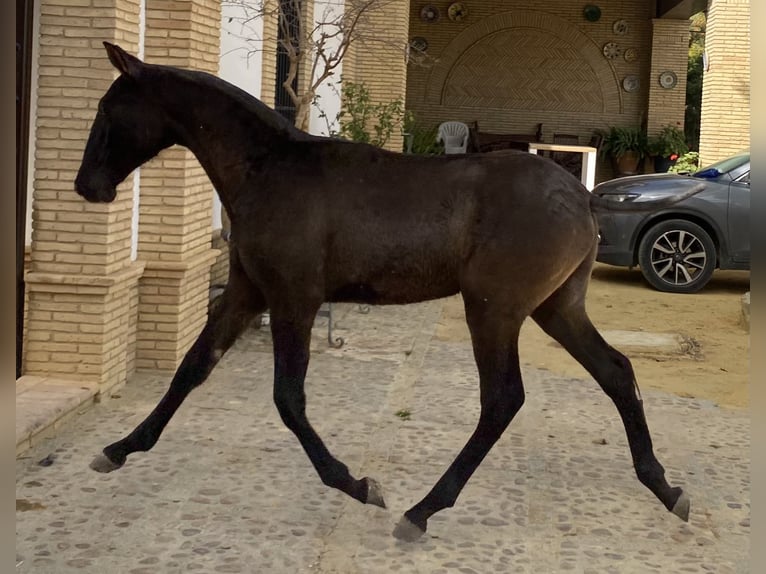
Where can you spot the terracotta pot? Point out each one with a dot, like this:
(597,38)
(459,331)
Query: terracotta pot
(627,164)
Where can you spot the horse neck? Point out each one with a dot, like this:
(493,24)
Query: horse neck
(230,132)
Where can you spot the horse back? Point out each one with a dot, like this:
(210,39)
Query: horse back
(379,227)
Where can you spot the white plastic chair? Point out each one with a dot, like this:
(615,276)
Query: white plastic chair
(454,135)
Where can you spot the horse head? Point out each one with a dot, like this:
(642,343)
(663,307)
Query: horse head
(130,128)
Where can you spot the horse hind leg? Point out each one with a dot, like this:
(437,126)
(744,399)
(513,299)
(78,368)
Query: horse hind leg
(563,317)
(240,302)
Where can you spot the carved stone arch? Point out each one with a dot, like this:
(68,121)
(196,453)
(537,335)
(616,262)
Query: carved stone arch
(525,60)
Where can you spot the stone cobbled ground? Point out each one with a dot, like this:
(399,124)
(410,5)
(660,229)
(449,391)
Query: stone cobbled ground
(228,488)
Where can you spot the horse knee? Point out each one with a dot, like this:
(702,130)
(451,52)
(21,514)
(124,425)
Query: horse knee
(617,377)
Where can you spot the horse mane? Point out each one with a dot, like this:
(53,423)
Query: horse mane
(245,100)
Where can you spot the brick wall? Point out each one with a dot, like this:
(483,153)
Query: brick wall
(670,51)
(269,52)
(513,65)
(176,199)
(219,272)
(377,58)
(725,121)
(81,277)
(87,314)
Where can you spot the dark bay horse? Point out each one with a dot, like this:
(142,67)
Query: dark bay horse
(316,219)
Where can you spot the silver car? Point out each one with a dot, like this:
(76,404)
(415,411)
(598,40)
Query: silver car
(678,248)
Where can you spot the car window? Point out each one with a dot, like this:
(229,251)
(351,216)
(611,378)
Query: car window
(738,172)
(744,178)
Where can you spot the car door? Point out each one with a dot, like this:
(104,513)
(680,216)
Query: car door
(739,221)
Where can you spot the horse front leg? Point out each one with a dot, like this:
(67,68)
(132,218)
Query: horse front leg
(291,336)
(495,344)
(240,302)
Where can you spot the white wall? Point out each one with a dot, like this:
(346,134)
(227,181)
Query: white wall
(137,173)
(328,94)
(241,49)
(32,119)
(240,62)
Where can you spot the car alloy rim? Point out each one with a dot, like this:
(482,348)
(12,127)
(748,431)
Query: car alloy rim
(678,257)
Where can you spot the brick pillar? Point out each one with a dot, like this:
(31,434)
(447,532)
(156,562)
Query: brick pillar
(269,52)
(725,121)
(670,51)
(176,199)
(81,280)
(380,63)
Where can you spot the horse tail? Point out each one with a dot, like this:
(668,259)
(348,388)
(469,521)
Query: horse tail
(601,205)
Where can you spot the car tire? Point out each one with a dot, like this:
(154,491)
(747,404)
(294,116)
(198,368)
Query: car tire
(677,256)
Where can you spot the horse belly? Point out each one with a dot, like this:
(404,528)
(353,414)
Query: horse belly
(392,280)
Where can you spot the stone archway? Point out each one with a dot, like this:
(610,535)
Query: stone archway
(525,60)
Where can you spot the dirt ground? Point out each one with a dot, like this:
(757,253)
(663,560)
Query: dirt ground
(709,356)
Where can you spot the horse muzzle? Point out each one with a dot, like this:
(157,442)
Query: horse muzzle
(95,191)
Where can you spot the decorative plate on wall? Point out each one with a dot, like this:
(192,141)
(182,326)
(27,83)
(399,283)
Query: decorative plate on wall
(630,83)
(620,27)
(611,50)
(429,13)
(591,13)
(630,54)
(457,12)
(419,44)
(668,79)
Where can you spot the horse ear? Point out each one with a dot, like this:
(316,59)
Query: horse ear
(124,62)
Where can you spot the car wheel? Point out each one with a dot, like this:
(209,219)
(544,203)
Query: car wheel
(677,256)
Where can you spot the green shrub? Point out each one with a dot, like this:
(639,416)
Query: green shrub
(687,163)
(361,120)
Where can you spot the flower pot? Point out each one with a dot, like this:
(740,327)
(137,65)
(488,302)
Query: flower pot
(627,163)
(663,164)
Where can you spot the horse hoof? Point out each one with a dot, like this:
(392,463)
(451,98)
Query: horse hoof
(374,493)
(103,463)
(407,531)
(681,507)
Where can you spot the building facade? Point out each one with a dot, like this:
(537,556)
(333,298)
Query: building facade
(111,288)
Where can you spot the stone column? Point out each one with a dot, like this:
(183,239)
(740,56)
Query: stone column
(725,119)
(670,52)
(269,52)
(176,199)
(81,283)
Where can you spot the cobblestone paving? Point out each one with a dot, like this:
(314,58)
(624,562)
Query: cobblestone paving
(228,488)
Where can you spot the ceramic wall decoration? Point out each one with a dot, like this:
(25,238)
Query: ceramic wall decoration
(419,44)
(668,79)
(630,83)
(430,13)
(457,12)
(611,50)
(591,13)
(620,27)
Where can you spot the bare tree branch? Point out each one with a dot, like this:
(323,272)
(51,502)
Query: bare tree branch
(318,45)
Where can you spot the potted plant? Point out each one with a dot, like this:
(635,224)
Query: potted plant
(666,147)
(626,147)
